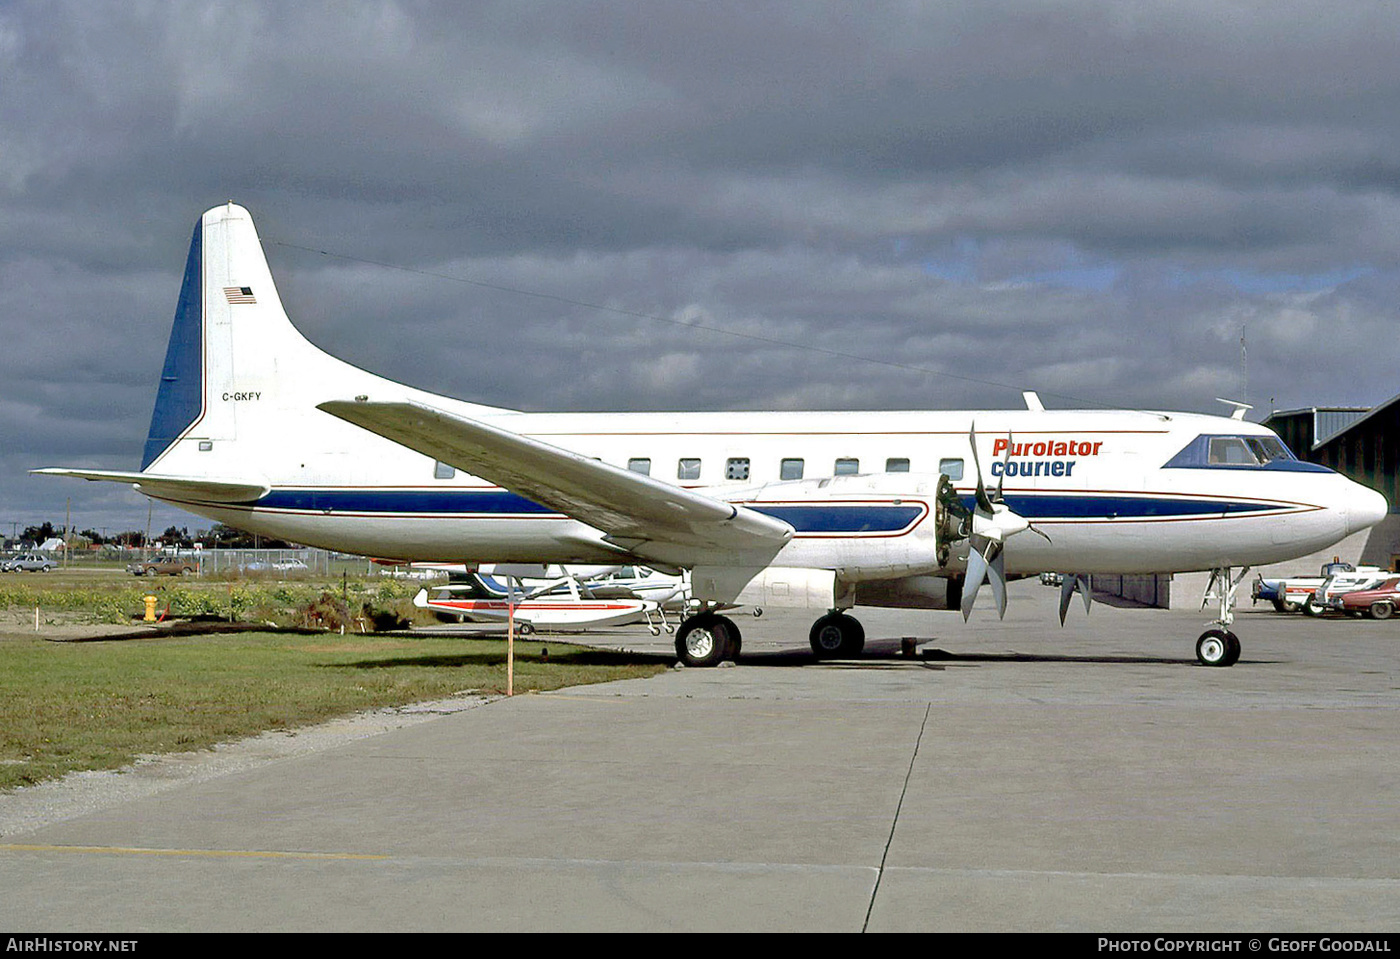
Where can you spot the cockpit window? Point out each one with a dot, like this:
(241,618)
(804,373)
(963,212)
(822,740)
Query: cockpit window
(1269,448)
(1207,451)
(1230,451)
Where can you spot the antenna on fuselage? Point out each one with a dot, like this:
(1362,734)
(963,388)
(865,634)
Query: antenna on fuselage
(1240,408)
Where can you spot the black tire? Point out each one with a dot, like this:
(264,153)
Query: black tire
(1218,647)
(1232,655)
(704,640)
(1311,608)
(524,629)
(837,636)
(1381,610)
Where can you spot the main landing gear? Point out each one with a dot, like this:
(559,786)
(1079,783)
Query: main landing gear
(1218,646)
(837,635)
(708,639)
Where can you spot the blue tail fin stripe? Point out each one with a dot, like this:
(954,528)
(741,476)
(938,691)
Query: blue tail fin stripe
(180,398)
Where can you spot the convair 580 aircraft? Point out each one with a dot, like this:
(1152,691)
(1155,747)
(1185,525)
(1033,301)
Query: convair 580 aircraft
(257,428)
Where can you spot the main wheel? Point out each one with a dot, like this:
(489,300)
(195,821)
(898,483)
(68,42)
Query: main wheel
(704,640)
(837,636)
(1218,647)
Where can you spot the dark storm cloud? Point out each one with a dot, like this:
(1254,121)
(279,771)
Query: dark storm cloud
(897,205)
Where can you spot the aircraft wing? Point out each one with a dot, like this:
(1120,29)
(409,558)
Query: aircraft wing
(630,508)
(183,488)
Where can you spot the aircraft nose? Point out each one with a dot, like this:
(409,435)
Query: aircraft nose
(1365,509)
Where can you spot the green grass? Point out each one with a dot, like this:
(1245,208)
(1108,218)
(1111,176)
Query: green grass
(99,705)
(115,598)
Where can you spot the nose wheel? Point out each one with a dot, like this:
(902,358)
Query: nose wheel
(1218,647)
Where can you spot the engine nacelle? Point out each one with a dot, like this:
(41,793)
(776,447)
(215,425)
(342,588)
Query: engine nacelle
(911,592)
(865,527)
(771,586)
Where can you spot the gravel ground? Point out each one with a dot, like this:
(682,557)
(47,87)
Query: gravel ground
(77,794)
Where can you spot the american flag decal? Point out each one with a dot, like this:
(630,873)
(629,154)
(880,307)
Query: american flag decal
(239,294)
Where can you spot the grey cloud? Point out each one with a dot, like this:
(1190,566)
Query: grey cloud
(899,205)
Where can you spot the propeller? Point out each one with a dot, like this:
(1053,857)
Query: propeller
(1069,585)
(987,528)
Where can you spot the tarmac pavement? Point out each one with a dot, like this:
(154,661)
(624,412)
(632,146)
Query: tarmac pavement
(1086,779)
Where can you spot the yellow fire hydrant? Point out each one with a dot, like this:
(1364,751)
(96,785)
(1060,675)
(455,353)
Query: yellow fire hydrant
(150,608)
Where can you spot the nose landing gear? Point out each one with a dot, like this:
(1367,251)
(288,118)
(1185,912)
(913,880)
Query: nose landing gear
(1218,646)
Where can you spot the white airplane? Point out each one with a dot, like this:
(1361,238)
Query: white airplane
(257,428)
(552,604)
(551,595)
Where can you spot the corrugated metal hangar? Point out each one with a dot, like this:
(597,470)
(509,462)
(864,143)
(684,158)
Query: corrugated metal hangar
(1361,443)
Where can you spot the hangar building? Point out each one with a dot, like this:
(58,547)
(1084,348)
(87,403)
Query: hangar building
(1362,444)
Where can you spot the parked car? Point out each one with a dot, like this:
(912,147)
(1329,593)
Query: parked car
(290,566)
(1297,592)
(28,563)
(162,566)
(1378,602)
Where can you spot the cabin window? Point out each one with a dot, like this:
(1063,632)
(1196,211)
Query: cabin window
(846,466)
(640,464)
(951,468)
(442,471)
(896,465)
(790,469)
(688,469)
(736,468)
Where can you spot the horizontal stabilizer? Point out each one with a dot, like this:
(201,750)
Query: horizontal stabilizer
(181,488)
(625,505)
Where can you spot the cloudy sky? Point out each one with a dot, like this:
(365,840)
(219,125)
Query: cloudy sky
(704,205)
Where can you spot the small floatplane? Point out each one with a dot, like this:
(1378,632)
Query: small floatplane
(556,597)
(257,428)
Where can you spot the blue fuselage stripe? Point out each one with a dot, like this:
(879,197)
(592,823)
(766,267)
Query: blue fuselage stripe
(814,518)
(1123,507)
(843,519)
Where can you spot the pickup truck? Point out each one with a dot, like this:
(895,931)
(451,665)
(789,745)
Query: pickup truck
(1311,593)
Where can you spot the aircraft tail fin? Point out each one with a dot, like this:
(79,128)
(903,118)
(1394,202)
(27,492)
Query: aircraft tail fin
(240,383)
(233,351)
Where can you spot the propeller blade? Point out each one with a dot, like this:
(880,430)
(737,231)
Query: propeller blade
(984,503)
(1040,532)
(996,577)
(1067,584)
(1004,461)
(976,574)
